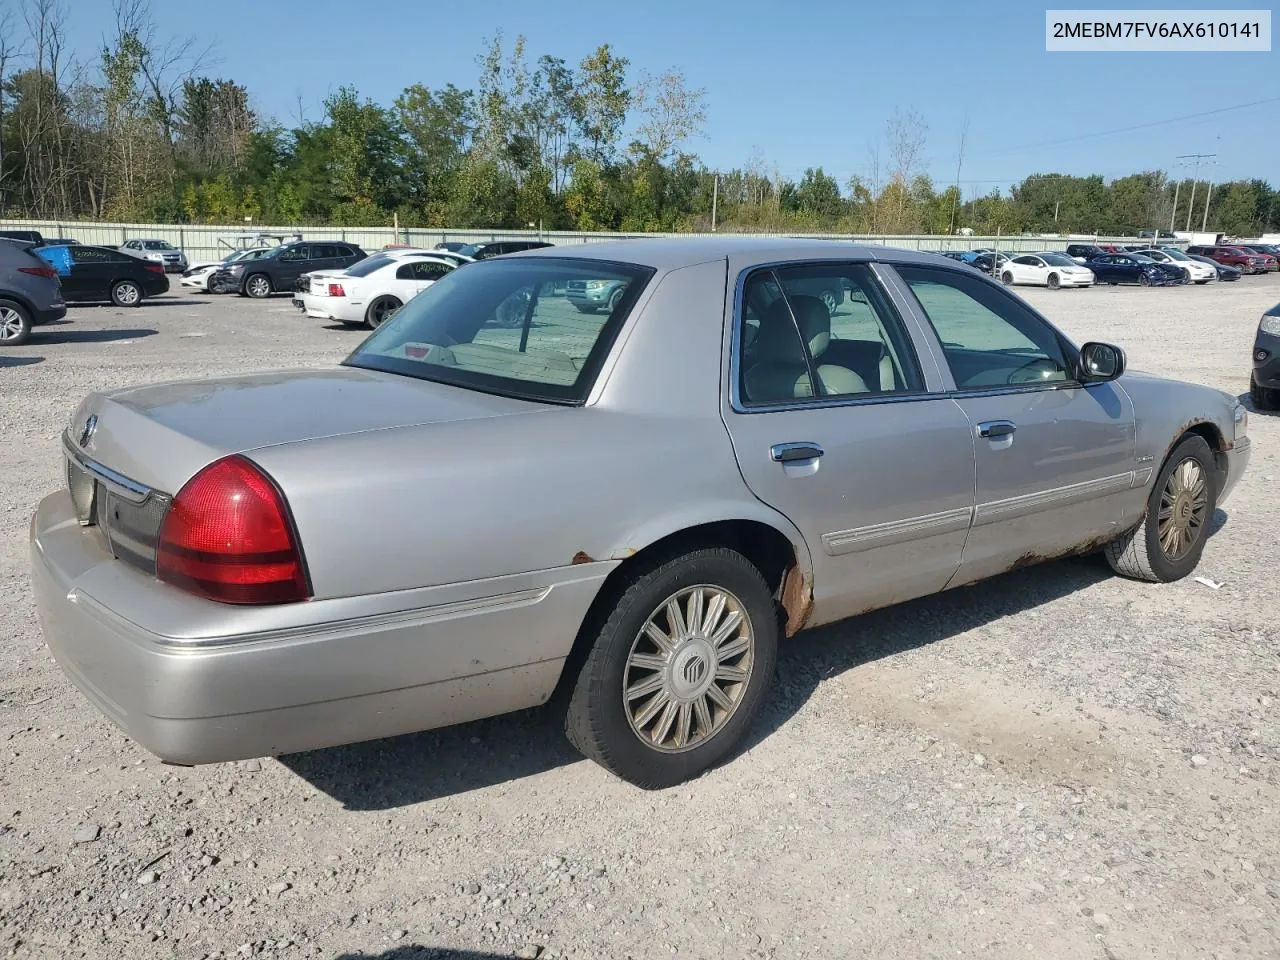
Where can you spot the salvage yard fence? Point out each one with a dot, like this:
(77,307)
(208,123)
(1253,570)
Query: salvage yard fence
(207,242)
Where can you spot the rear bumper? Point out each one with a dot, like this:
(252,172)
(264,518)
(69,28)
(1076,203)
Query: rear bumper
(320,684)
(331,308)
(49,314)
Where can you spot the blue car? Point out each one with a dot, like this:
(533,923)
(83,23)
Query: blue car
(1114,268)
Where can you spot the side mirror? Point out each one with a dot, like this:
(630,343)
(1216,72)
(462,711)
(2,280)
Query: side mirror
(1100,362)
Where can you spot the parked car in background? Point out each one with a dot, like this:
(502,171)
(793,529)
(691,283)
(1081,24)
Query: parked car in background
(161,251)
(244,566)
(92,274)
(457,259)
(453,246)
(372,290)
(495,248)
(25,236)
(201,277)
(1193,270)
(1084,252)
(30,294)
(1046,269)
(1271,258)
(986,262)
(60,242)
(1114,268)
(278,270)
(1225,271)
(1232,256)
(1264,381)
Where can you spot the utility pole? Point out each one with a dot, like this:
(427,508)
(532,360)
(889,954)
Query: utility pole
(1174,216)
(1204,224)
(1195,159)
(1056,204)
(715,200)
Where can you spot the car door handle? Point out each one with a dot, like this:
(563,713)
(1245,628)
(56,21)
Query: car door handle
(791,452)
(995,429)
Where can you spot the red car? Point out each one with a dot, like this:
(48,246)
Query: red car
(1265,251)
(1234,257)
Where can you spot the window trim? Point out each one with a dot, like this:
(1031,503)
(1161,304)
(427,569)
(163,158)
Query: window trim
(955,392)
(739,406)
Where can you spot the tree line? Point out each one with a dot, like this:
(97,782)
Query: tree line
(140,131)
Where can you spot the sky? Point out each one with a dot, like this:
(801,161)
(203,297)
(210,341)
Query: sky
(798,87)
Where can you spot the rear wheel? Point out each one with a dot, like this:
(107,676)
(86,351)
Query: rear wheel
(126,293)
(1054,281)
(678,671)
(378,311)
(1168,544)
(15,324)
(1263,398)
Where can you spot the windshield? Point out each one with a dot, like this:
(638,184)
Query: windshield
(1175,254)
(1057,260)
(470,250)
(368,265)
(1140,258)
(510,327)
(159,245)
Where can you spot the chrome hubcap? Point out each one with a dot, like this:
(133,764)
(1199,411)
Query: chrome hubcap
(1183,505)
(127,293)
(258,287)
(10,324)
(688,668)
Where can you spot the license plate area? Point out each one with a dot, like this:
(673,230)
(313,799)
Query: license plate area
(84,493)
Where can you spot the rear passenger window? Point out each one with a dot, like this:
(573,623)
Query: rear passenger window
(813,331)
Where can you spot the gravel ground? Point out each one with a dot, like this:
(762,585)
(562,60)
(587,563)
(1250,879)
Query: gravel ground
(1054,764)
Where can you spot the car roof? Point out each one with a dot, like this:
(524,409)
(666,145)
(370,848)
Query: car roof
(672,253)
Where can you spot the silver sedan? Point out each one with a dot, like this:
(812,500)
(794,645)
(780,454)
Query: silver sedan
(497,494)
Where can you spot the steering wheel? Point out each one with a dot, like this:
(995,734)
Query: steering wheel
(1041,368)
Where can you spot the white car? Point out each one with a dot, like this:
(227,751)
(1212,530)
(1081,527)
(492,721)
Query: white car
(1196,271)
(197,277)
(1046,269)
(370,291)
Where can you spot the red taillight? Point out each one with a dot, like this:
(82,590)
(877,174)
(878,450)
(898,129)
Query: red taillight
(335,290)
(47,272)
(155,267)
(228,537)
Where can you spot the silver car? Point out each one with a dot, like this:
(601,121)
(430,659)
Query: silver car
(635,504)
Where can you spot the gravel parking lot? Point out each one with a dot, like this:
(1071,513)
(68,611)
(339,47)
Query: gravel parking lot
(1055,764)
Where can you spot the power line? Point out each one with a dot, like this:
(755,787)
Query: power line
(1136,126)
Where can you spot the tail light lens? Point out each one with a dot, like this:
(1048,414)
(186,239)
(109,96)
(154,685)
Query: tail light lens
(335,290)
(155,267)
(47,272)
(228,536)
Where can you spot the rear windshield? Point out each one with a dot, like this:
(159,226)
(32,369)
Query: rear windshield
(508,327)
(368,265)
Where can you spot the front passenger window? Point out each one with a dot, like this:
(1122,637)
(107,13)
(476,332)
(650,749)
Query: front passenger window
(989,338)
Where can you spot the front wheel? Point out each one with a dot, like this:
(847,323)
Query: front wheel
(1054,281)
(126,293)
(1144,280)
(679,670)
(15,324)
(1263,398)
(258,286)
(1006,278)
(1168,544)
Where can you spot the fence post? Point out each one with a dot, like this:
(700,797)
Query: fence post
(182,239)
(344,234)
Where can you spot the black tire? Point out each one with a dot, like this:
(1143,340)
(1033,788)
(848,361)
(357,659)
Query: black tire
(1006,278)
(1139,554)
(1263,398)
(15,324)
(586,307)
(1143,280)
(126,293)
(257,285)
(378,311)
(597,723)
(616,298)
(1054,281)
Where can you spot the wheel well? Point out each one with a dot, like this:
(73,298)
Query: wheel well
(767,548)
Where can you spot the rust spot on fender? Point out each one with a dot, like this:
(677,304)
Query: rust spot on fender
(581,557)
(797,600)
(626,553)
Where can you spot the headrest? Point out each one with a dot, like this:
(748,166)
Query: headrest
(777,338)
